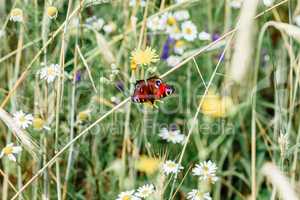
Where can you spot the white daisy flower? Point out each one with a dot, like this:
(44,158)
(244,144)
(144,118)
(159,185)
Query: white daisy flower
(189,30)
(22,119)
(268,3)
(297,20)
(50,73)
(172,136)
(168,21)
(127,195)
(206,171)
(110,28)
(170,167)
(172,61)
(134,3)
(94,22)
(204,36)
(16,15)
(145,191)
(11,151)
(179,47)
(175,33)
(236,4)
(197,195)
(154,23)
(182,15)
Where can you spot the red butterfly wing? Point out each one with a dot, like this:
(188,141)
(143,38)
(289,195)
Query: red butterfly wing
(159,88)
(142,92)
(150,90)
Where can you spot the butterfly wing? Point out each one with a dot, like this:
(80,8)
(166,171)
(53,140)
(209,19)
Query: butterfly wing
(150,90)
(159,88)
(142,92)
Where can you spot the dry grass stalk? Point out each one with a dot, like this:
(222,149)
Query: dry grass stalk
(279,181)
(289,29)
(105,49)
(243,44)
(21,135)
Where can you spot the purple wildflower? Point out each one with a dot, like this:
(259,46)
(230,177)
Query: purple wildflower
(166,48)
(174,127)
(120,86)
(78,76)
(215,36)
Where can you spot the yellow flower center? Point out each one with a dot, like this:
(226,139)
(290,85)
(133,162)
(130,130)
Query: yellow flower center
(188,31)
(16,12)
(22,119)
(50,71)
(171,21)
(171,165)
(126,197)
(7,150)
(205,170)
(199,195)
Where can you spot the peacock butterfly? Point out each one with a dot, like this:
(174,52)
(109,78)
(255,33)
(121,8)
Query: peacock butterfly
(150,90)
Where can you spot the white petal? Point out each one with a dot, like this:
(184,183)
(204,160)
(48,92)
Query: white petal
(10,145)
(17,149)
(11,157)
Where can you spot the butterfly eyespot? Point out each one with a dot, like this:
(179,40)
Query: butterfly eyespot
(135,99)
(169,91)
(157,83)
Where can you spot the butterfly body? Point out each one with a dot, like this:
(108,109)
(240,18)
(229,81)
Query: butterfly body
(151,90)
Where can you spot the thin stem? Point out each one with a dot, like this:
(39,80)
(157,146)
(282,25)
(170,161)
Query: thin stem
(59,88)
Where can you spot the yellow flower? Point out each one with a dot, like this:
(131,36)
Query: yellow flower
(144,57)
(16,15)
(215,106)
(147,164)
(38,123)
(133,65)
(83,115)
(52,12)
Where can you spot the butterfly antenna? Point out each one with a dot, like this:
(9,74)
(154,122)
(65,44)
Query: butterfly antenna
(154,105)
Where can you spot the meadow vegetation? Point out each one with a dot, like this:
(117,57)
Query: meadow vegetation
(76,124)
